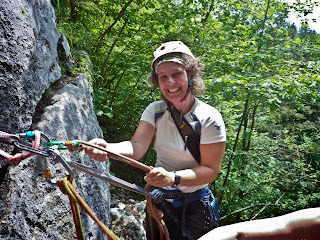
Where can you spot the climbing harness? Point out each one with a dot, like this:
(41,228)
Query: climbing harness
(180,199)
(190,137)
(67,186)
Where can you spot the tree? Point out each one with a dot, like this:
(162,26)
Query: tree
(261,72)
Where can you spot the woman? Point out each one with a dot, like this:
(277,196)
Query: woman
(178,75)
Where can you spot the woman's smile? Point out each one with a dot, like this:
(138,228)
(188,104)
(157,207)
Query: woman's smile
(173,90)
(173,81)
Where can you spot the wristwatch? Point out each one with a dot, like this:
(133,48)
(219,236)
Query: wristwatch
(176,181)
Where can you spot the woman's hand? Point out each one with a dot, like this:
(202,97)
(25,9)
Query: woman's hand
(159,177)
(94,153)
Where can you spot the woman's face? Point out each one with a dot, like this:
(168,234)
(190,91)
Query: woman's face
(173,81)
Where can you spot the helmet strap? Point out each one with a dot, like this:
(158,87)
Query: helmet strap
(190,82)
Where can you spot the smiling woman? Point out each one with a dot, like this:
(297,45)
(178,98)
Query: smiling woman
(189,140)
(173,82)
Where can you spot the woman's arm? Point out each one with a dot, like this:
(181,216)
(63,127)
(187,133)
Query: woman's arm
(135,148)
(142,139)
(211,159)
(207,172)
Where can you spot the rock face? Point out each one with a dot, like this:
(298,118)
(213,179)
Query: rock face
(34,95)
(28,59)
(127,218)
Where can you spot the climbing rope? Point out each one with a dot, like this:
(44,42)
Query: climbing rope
(68,188)
(157,215)
(67,185)
(63,185)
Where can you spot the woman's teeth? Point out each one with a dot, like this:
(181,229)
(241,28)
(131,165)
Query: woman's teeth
(172,90)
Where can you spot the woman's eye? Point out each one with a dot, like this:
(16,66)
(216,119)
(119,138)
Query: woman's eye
(177,74)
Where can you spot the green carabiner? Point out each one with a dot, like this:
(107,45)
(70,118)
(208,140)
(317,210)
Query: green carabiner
(62,145)
(50,144)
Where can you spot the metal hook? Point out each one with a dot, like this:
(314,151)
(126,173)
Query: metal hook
(57,158)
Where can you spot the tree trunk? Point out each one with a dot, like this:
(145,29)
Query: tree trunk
(220,198)
(73,13)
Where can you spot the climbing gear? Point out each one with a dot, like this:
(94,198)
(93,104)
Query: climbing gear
(168,48)
(151,208)
(157,215)
(17,140)
(68,188)
(117,156)
(62,145)
(107,177)
(64,184)
(51,149)
(190,136)
(182,200)
(64,187)
(155,196)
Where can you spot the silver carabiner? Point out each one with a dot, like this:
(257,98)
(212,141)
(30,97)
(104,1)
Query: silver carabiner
(57,158)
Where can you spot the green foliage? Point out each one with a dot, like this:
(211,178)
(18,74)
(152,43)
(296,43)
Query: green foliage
(262,73)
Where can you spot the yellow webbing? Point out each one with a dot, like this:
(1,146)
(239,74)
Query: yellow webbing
(69,189)
(64,187)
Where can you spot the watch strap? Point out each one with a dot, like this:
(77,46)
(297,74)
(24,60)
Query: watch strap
(176,180)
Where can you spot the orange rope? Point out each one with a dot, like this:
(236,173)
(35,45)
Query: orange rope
(68,189)
(74,207)
(118,156)
(157,215)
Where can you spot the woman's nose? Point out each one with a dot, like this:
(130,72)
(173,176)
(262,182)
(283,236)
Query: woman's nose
(171,79)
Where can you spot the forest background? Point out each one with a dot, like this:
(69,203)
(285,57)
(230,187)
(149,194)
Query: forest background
(262,74)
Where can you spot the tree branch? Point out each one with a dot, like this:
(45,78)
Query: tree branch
(108,30)
(265,205)
(234,149)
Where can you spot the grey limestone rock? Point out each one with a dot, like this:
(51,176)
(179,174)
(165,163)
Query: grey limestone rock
(34,95)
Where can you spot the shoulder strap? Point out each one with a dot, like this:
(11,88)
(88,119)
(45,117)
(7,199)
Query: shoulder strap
(190,137)
(157,115)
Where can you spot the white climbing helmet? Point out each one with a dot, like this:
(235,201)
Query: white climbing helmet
(170,47)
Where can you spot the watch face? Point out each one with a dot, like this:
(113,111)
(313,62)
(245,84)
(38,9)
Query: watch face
(176,181)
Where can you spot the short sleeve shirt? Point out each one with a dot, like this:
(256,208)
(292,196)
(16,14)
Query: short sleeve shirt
(169,145)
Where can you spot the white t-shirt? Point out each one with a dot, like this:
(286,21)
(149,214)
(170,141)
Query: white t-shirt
(169,145)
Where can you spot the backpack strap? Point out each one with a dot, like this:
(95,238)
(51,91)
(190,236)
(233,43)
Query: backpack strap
(190,137)
(197,123)
(158,115)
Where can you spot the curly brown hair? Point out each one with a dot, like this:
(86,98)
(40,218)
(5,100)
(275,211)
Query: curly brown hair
(194,70)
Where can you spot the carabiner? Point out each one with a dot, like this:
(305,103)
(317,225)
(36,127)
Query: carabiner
(62,145)
(21,144)
(57,158)
(8,138)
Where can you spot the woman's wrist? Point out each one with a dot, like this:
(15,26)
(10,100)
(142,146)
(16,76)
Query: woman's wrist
(176,180)
(172,177)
